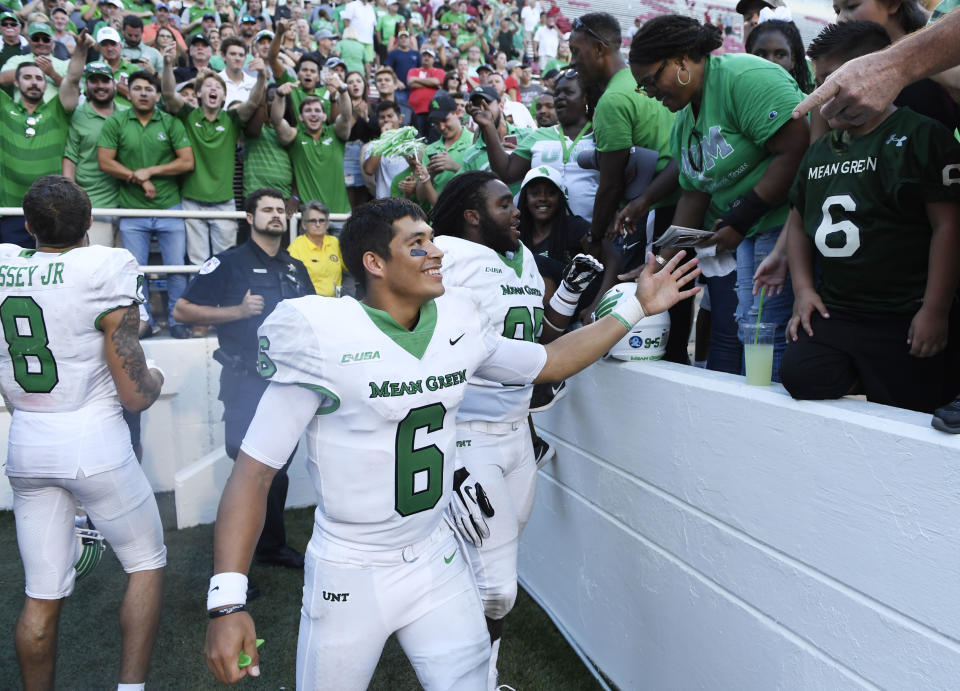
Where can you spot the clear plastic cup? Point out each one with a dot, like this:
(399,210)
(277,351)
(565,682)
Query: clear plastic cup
(757,338)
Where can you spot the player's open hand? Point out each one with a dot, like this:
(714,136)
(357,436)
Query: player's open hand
(804,306)
(658,292)
(928,333)
(226,638)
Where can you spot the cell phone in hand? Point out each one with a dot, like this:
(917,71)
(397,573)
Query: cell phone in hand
(510,140)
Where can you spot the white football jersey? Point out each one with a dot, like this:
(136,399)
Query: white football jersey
(509,292)
(53,370)
(382,443)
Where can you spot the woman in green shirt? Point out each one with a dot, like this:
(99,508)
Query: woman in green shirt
(738,150)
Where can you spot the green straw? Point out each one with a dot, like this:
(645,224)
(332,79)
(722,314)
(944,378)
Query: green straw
(756,332)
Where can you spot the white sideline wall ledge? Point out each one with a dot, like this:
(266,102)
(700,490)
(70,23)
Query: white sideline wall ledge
(697,532)
(693,531)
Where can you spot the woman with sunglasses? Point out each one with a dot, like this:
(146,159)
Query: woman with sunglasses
(738,151)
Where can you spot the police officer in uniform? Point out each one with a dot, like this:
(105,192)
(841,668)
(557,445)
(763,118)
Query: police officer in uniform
(237,290)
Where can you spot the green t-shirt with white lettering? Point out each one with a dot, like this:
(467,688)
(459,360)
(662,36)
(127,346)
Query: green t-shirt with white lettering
(722,151)
(863,201)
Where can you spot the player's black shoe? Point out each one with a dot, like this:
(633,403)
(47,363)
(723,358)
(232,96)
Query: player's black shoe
(947,418)
(546,395)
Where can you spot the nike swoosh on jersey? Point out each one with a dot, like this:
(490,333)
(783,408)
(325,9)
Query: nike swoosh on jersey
(453,341)
(447,560)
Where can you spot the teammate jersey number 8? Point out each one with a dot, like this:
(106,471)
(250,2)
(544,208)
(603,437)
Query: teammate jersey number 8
(34,367)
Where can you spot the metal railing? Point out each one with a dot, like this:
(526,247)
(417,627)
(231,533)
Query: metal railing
(293,225)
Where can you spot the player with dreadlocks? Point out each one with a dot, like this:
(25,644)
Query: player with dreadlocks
(478,230)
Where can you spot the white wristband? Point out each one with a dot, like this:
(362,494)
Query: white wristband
(228,588)
(629,312)
(151,364)
(564,302)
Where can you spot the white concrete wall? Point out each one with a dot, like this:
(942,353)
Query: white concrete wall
(697,533)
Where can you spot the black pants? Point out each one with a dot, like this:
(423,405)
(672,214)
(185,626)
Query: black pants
(860,353)
(240,394)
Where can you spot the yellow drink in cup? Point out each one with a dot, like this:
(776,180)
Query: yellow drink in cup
(757,340)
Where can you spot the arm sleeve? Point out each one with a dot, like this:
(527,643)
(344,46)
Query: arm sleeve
(72,150)
(117,283)
(282,416)
(513,362)
(613,126)
(524,147)
(109,134)
(178,135)
(209,285)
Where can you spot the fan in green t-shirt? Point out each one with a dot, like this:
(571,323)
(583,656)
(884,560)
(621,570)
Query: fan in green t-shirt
(738,148)
(316,148)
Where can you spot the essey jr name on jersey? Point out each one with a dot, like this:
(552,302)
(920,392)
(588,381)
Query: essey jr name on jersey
(24,276)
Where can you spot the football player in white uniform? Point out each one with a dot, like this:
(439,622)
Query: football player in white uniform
(376,386)
(477,226)
(70,317)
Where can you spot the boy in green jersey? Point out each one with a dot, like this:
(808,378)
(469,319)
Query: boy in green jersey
(877,207)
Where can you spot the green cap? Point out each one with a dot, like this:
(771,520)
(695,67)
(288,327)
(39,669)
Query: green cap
(93,68)
(9,15)
(39,28)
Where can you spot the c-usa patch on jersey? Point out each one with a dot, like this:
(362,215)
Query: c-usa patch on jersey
(209,266)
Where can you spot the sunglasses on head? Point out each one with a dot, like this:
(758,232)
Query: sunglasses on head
(579,25)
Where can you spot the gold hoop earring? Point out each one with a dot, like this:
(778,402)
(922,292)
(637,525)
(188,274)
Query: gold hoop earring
(682,83)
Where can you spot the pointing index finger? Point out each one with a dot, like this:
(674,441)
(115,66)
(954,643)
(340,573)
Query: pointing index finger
(820,95)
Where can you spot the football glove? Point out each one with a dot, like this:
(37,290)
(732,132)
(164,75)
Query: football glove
(470,508)
(576,278)
(581,271)
(621,301)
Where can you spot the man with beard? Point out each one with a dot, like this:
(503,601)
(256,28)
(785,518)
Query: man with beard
(316,148)
(480,241)
(80,157)
(33,134)
(147,150)
(134,49)
(41,54)
(545,110)
(213,134)
(237,290)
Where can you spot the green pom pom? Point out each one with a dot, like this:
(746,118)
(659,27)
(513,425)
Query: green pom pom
(400,142)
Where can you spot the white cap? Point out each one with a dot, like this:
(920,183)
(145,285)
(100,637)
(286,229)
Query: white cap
(108,33)
(547,173)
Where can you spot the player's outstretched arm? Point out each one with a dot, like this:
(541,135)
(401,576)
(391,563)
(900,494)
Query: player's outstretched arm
(239,522)
(137,385)
(656,292)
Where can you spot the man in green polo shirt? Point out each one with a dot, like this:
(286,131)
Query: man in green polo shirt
(80,156)
(41,54)
(146,150)
(485,109)
(316,148)
(213,133)
(445,156)
(32,136)
(623,118)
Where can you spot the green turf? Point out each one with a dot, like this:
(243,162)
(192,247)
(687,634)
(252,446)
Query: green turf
(533,656)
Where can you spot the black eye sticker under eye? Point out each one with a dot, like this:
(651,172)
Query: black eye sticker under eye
(418,253)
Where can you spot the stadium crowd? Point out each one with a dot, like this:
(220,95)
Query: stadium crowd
(841,228)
